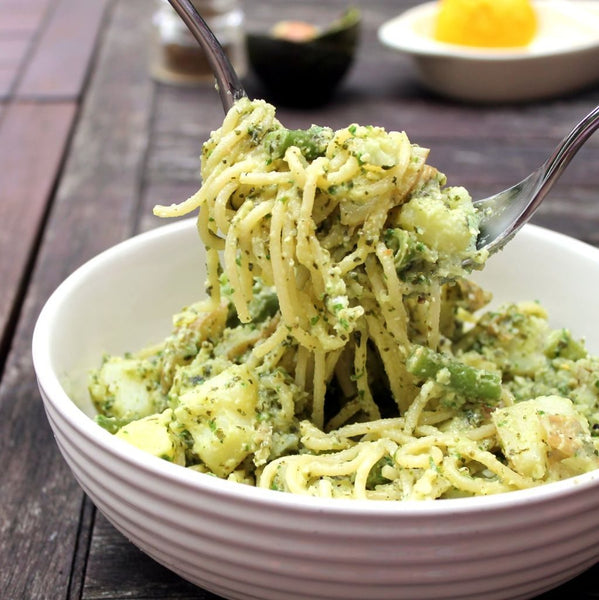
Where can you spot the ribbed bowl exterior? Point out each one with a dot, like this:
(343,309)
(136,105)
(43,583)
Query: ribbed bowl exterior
(248,548)
(250,544)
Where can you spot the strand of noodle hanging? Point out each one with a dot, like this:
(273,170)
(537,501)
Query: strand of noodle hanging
(297,167)
(254,218)
(281,279)
(302,310)
(274,341)
(365,399)
(410,170)
(343,372)
(224,185)
(396,290)
(391,354)
(212,270)
(302,359)
(274,357)
(332,359)
(210,239)
(319,388)
(238,266)
(254,232)
(308,251)
(183,208)
(261,251)
(391,306)
(434,316)
(428,391)
(369,236)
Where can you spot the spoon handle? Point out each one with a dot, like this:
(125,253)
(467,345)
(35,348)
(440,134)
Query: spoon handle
(228,83)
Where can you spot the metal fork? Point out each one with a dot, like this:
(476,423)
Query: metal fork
(502,215)
(228,83)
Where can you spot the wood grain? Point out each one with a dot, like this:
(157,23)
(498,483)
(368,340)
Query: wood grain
(19,24)
(66,196)
(59,67)
(137,576)
(33,140)
(43,520)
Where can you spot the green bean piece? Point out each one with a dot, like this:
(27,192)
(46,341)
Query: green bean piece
(462,379)
(311,142)
(111,424)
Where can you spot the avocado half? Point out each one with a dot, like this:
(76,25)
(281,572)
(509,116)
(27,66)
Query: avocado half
(305,72)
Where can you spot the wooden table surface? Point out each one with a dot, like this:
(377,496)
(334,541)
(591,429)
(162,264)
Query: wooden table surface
(89,143)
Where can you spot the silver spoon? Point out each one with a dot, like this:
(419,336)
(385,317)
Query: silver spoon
(502,215)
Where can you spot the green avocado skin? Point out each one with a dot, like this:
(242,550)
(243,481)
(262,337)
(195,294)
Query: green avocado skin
(303,73)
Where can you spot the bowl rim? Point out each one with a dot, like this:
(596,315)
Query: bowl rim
(54,395)
(398,33)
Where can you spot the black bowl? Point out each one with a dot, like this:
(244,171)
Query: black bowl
(304,73)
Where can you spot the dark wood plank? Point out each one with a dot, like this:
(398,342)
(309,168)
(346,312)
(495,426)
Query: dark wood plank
(33,139)
(102,176)
(22,16)
(12,49)
(19,23)
(183,119)
(112,554)
(42,514)
(58,68)
(8,76)
(81,550)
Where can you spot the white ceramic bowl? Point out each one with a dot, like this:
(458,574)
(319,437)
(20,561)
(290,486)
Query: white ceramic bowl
(247,543)
(563,57)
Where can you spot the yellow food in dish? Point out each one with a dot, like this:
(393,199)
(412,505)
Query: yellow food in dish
(341,351)
(486,23)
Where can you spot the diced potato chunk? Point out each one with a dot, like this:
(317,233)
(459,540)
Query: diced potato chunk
(152,434)
(220,415)
(442,227)
(545,435)
(126,388)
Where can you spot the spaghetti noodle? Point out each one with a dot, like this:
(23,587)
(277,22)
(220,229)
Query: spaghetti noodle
(338,353)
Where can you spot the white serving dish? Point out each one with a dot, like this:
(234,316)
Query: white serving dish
(245,543)
(563,57)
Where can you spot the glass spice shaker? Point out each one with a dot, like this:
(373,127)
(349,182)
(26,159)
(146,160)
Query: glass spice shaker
(176,56)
